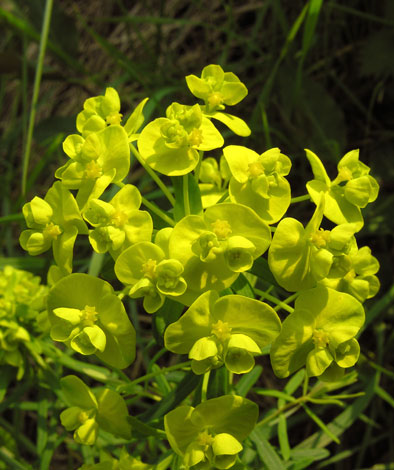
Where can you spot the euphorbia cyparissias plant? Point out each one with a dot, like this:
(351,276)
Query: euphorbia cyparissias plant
(348,193)
(299,258)
(216,246)
(229,330)
(54,221)
(319,334)
(85,313)
(204,251)
(88,412)
(210,435)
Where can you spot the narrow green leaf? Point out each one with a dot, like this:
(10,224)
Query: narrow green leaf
(379,307)
(176,396)
(241,286)
(42,429)
(261,269)
(320,423)
(294,382)
(283,437)
(267,453)
(218,381)
(165,463)
(384,395)
(140,429)
(314,454)
(274,393)
(247,381)
(194,196)
(342,421)
(102,374)
(326,401)
(310,24)
(161,381)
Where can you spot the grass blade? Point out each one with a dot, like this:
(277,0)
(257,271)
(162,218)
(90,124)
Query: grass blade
(36,89)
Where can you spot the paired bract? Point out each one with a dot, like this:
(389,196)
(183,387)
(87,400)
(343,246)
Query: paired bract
(229,330)
(319,334)
(211,433)
(88,412)
(85,313)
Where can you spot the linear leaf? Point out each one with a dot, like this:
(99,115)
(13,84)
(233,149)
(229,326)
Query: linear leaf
(248,380)
(274,393)
(320,423)
(241,286)
(176,396)
(342,421)
(267,453)
(283,437)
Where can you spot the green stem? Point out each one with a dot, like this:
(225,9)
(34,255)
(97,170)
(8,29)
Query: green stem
(288,300)
(156,210)
(296,403)
(11,218)
(185,186)
(164,370)
(204,387)
(305,197)
(197,169)
(230,378)
(153,175)
(36,90)
(96,261)
(305,385)
(280,303)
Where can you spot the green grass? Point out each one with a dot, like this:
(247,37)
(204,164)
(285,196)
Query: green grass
(319,77)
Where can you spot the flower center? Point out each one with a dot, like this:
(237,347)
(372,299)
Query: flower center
(149,268)
(174,134)
(221,229)
(114,118)
(119,219)
(215,99)
(221,330)
(82,416)
(350,276)
(320,238)
(93,170)
(320,338)
(344,174)
(205,439)
(51,231)
(89,316)
(256,169)
(195,138)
